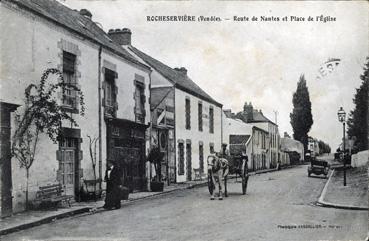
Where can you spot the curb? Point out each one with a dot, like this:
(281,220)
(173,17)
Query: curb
(93,210)
(44,220)
(85,210)
(323,203)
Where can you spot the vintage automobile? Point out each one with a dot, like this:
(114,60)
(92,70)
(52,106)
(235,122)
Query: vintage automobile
(318,168)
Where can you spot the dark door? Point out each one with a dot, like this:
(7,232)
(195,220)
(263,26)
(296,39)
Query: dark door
(126,146)
(189,161)
(5,160)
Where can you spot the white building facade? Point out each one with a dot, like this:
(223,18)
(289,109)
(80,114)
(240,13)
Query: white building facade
(115,87)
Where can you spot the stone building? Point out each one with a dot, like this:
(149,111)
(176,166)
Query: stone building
(37,35)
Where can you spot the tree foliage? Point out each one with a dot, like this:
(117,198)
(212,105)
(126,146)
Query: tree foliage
(358,117)
(301,117)
(42,113)
(323,147)
(155,157)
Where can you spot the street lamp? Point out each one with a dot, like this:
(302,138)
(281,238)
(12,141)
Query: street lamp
(342,118)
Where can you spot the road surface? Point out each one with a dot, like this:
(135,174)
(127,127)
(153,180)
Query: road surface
(278,206)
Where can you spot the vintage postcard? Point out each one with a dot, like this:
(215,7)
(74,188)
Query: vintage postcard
(184,120)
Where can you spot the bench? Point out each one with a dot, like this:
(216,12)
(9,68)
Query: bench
(52,194)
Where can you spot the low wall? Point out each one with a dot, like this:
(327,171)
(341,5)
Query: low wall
(360,159)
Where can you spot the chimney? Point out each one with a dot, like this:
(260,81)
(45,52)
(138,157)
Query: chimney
(182,70)
(248,111)
(86,13)
(121,36)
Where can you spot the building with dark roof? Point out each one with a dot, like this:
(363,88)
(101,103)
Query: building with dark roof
(239,137)
(257,118)
(42,34)
(182,113)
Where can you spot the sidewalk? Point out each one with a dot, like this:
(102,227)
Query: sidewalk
(352,196)
(25,220)
(30,219)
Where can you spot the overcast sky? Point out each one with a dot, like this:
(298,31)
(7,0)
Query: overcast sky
(258,62)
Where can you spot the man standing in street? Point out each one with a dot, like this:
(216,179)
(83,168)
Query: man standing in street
(113,183)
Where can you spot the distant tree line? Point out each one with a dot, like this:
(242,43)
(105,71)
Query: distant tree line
(323,147)
(358,117)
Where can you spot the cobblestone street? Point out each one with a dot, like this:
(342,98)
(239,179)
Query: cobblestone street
(278,206)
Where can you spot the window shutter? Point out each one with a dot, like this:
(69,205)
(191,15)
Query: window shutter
(80,155)
(58,155)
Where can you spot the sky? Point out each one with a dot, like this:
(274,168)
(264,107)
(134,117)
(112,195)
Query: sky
(254,61)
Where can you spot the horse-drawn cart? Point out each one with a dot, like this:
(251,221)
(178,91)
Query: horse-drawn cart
(234,165)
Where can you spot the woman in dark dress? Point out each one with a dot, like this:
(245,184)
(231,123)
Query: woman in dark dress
(113,183)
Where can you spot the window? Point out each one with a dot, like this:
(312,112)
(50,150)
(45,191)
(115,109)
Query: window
(188,114)
(201,157)
(110,92)
(140,100)
(69,94)
(211,120)
(200,115)
(181,159)
(211,147)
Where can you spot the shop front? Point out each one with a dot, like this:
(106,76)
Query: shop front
(126,146)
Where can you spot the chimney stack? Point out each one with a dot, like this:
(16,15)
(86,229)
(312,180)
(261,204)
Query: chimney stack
(248,111)
(86,13)
(121,36)
(182,70)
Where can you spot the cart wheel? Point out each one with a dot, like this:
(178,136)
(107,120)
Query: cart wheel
(210,184)
(245,178)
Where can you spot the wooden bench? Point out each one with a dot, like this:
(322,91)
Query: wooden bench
(52,194)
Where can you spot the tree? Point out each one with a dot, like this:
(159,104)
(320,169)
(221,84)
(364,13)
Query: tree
(155,157)
(42,114)
(358,118)
(301,117)
(323,147)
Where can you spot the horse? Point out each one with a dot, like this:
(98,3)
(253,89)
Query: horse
(218,169)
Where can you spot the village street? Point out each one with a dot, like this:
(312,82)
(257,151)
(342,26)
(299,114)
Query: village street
(276,204)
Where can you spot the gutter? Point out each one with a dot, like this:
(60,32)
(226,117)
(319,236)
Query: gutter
(99,113)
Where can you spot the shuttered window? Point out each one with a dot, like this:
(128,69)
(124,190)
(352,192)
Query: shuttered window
(200,115)
(69,98)
(110,92)
(188,114)
(181,159)
(211,120)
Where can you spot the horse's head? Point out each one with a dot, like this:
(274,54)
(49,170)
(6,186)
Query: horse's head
(211,161)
